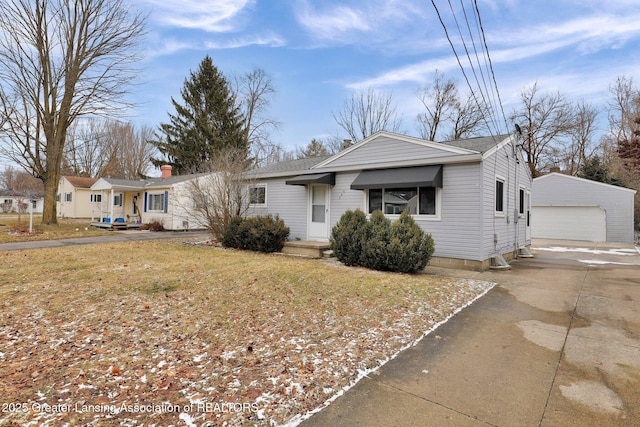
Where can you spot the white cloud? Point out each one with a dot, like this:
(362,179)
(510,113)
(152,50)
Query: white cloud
(206,15)
(333,23)
(358,22)
(270,39)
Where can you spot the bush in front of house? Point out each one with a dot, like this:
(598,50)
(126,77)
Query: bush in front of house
(410,248)
(154,225)
(375,250)
(258,233)
(348,237)
(401,246)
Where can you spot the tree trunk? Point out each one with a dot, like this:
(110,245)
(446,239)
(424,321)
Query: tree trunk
(49,213)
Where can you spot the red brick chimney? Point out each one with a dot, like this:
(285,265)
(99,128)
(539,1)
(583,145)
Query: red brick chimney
(166,171)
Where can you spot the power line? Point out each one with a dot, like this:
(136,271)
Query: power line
(486,96)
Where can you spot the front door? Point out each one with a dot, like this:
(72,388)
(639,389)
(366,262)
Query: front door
(319,212)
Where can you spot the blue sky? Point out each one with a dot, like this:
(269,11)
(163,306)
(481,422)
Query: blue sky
(318,52)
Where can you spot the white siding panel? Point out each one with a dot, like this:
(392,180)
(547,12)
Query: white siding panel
(287,201)
(344,198)
(569,223)
(507,232)
(458,233)
(563,190)
(384,149)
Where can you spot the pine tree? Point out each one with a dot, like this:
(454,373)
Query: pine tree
(595,170)
(207,123)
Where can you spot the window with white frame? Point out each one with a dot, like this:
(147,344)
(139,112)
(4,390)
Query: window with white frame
(500,195)
(156,202)
(67,197)
(117,200)
(96,198)
(258,195)
(421,201)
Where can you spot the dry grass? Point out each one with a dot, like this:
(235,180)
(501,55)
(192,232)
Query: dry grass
(234,338)
(65,228)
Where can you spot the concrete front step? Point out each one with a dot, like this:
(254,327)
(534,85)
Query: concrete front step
(307,248)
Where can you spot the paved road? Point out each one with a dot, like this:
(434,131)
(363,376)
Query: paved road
(117,236)
(556,343)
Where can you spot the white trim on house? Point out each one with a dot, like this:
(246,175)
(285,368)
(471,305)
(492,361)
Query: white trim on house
(266,200)
(584,180)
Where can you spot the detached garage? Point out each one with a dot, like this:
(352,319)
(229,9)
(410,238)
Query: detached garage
(570,208)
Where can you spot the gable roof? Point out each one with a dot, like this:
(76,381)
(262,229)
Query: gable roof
(481,144)
(142,184)
(288,167)
(561,176)
(80,181)
(416,152)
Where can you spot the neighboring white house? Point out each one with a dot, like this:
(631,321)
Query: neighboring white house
(472,195)
(74,197)
(18,201)
(130,203)
(570,208)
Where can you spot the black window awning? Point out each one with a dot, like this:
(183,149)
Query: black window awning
(314,178)
(417,176)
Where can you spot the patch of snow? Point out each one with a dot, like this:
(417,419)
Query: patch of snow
(198,359)
(228,354)
(599,262)
(471,283)
(162,363)
(621,251)
(188,419)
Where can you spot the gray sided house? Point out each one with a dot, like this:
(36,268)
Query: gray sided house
(472,195)
(571,208)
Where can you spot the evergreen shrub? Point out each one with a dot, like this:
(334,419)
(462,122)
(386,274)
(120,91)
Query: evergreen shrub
(259,233)
(401,246)
(348,236)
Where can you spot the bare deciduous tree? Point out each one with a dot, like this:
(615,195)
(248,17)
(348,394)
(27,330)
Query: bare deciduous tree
(545,119)
(254,91)
(368,112)
(469,119)
(222,193)
(16,180)
(624,121)
(581,144)
(446,115)
(59,60)
(101,148)
(439,100)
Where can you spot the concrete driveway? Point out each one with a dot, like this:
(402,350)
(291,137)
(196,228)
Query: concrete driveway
(556,343)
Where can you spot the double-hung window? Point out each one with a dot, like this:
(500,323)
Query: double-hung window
(156,202)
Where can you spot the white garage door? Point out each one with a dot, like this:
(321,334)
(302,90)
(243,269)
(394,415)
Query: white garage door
(569,223)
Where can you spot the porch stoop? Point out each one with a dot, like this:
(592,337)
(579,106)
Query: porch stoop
(308,248)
